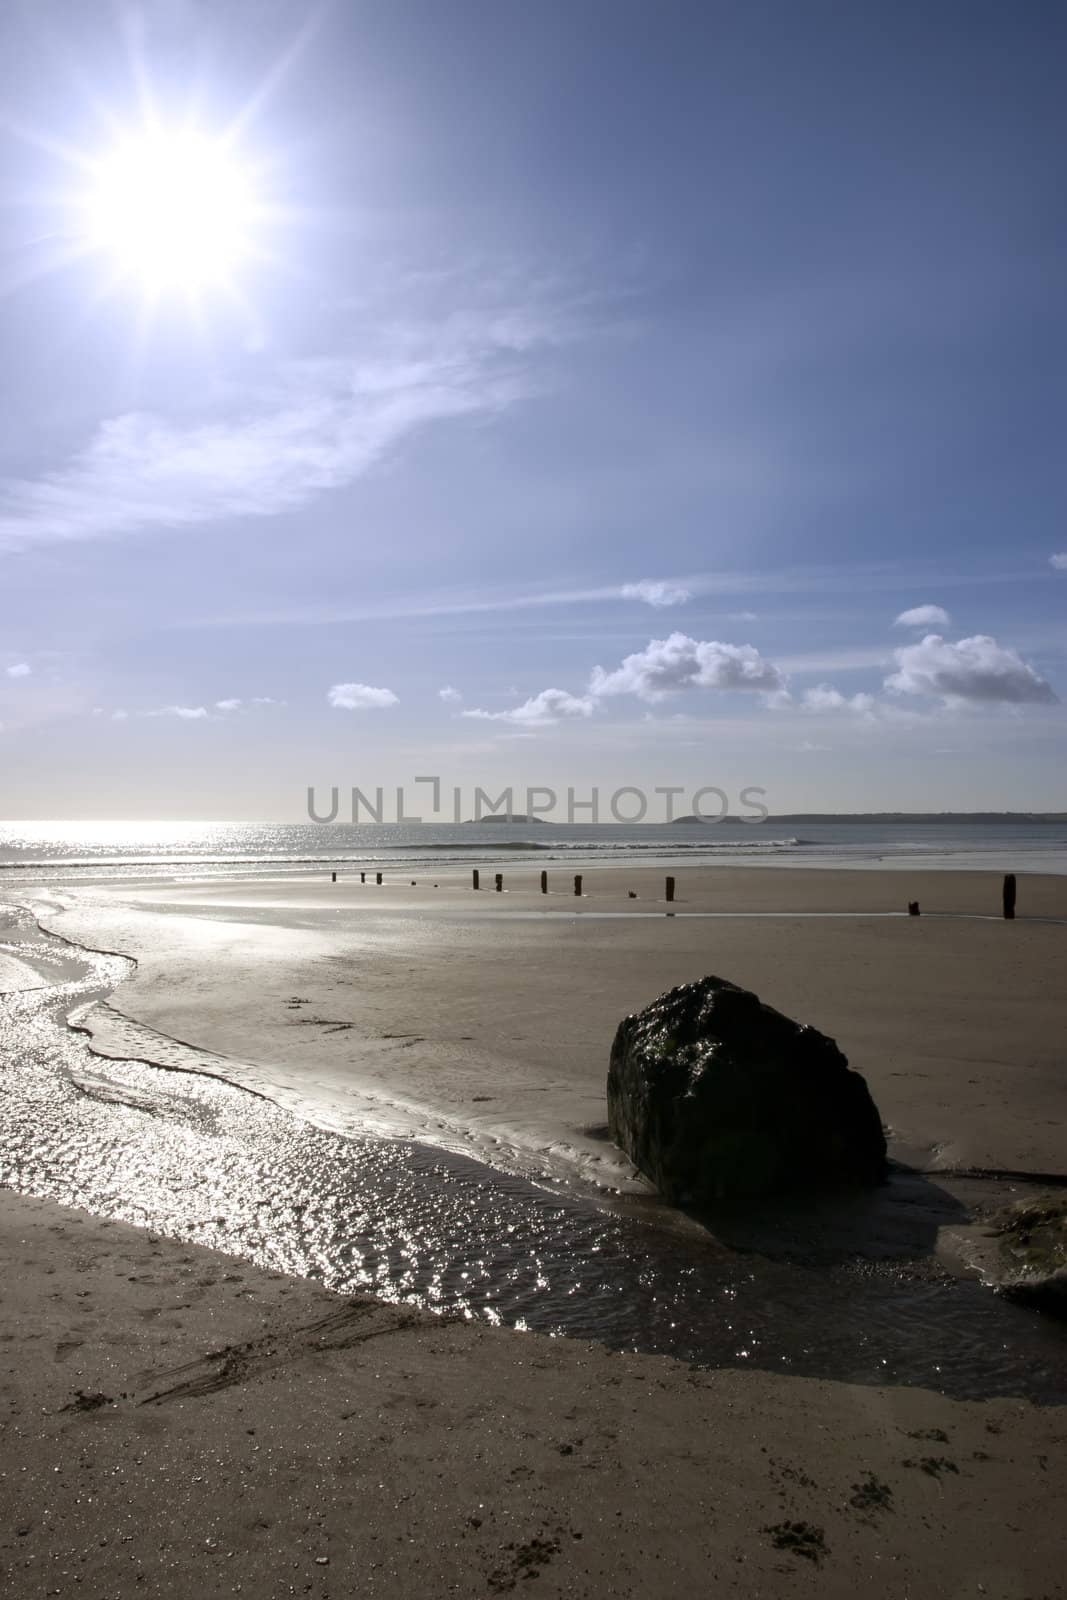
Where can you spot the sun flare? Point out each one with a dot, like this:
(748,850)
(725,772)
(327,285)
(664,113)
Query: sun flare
(174,210)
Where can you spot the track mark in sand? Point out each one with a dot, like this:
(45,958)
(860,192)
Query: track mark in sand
(800,1539)
(353,1323)
(522,1561)
(871,1495)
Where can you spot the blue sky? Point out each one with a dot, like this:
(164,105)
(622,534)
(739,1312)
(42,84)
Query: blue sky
(625,370)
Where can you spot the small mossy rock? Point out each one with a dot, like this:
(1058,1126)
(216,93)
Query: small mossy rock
(719,1099)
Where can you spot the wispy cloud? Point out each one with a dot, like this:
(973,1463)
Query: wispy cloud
(360,697)
(183,713)
(450,696)
(1059,561)
(21,669)
(657,592)
(314,426)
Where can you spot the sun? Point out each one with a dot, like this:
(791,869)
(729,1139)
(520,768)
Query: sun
(174,210)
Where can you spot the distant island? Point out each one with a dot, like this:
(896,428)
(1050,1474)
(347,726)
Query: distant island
(515,816)
(983,817)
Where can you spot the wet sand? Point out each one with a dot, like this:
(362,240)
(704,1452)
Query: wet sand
(176,1422)
(484,1021)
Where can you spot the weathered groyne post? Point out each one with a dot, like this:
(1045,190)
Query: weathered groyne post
(475,879)
(578,883)
(498,882)
(377,877)
(333,877)
(913,908)
(363,877)
(1009,896)
(544,882)
(670,889)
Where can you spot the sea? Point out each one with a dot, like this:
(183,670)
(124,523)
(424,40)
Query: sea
(101,850)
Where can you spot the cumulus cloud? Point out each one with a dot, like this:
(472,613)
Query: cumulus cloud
(1059,561)
(360,697)
(923,617)
(976,669)
(656,592)
(824,697)
(678,662)
(450,696)
(541,710)
(21,669)
(306,428)
(228,705)
(184,713)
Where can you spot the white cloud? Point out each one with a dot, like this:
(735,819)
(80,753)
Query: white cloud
(678,662)
(541,710)
(1059,561)
(923,617)
(450,696)
(743,616)
(656,592)
(977,669)
(227,705)
(185,713)
(266,700)
(21,669)
(824,697)
(120,715)
(312,426)
(360,697)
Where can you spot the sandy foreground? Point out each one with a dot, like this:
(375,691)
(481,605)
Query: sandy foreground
(177,1422)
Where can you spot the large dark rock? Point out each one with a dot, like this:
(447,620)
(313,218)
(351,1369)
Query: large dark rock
(717,1098)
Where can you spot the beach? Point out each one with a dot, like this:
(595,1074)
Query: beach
(487,1019)
(460,1040)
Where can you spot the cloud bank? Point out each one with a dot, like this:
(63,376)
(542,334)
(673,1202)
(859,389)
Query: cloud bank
(976,669)
(541,710)
(668,666)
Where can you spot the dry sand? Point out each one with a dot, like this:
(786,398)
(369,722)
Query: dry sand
(177,1423)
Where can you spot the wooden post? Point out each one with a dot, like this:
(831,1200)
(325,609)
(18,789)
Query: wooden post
(578,883)
(913,908)
(333,877)
(475,880)
(1009,896)
(544,882)
(363,877)
(498,882)
(377,877)
(670,889)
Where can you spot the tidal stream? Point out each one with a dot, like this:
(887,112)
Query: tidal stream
(207,1161)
